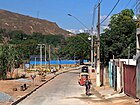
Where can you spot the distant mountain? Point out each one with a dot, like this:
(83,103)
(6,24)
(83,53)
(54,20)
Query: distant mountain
(14,21)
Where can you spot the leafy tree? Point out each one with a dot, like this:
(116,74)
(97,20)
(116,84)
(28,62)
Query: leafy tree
(17,37)
(26,45)
(78,46)
(8,59)
(119,36)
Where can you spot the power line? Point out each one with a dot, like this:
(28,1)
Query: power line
(136,6)
(98,4)
(133,5)
(93,19)
(111,11)
(127,3)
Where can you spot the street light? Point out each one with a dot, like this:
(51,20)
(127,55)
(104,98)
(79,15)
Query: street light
(90,38)
(78,20)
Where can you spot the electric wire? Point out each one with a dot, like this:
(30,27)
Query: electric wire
(135,6)
(128,4)
(110,11)
(98,4)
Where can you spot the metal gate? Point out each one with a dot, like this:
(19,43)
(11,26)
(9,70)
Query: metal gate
(130,80)
(114,73)
(110,74)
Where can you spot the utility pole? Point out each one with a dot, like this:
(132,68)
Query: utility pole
(98,49)
(92,46)
(40,55)
(45,54)
(35,62)
(92,49)
(49,58)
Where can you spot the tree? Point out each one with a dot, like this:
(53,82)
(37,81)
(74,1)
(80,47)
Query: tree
(8,58)
(119,36)
(78,46)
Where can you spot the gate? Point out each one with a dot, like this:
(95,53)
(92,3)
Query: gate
(113,75)
(130,80)
(110,74)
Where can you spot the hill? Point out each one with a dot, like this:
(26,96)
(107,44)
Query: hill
(14,21)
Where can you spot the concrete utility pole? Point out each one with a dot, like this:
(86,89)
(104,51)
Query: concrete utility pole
(45,53)
(35,62)
(98,49)
(40,54)
(49,57)
(92,49)
(92,46)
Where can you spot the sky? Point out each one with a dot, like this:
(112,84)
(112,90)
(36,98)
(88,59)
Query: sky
(57,10)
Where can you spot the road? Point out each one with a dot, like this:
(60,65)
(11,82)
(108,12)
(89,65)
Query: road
(62,90)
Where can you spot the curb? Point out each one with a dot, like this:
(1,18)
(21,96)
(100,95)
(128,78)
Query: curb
(23,97)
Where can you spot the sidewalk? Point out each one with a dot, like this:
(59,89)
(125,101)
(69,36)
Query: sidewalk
(107,95)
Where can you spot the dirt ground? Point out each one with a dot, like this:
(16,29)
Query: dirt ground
(13,87)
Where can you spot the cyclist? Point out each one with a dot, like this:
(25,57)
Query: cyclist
(87,85)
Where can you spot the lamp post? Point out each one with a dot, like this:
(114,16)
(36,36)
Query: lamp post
(78,20)
(90,38)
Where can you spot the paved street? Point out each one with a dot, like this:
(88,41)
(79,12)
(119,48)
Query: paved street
(63,90)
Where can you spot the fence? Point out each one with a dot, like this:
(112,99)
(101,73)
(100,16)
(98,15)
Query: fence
(58,62)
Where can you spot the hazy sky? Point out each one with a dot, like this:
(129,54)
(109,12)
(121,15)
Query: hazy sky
(57,10)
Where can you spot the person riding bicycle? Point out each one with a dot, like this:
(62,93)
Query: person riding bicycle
(87,85)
